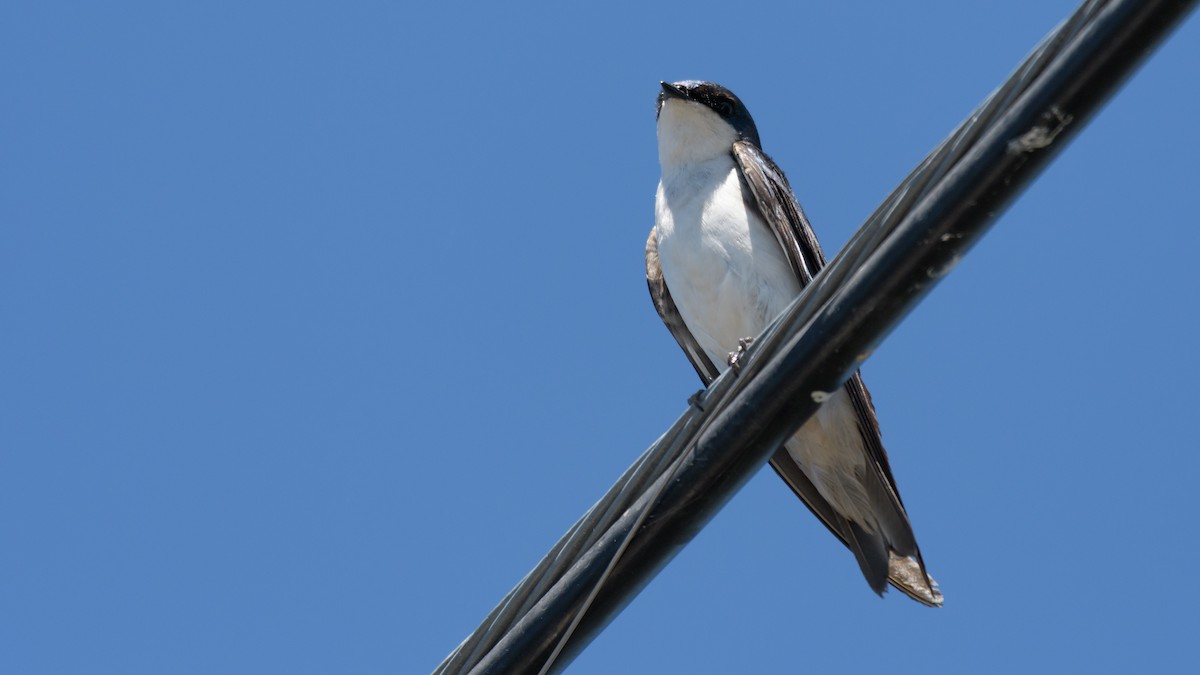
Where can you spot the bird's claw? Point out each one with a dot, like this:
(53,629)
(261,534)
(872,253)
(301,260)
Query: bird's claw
(735,358)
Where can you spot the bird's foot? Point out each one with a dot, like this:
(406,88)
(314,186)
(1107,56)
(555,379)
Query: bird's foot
(735,358)
(694,400)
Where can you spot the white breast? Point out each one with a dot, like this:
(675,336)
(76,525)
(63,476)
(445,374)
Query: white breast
(724,268)
(729,278)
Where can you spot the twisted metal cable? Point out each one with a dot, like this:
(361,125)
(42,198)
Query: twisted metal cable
(910,241)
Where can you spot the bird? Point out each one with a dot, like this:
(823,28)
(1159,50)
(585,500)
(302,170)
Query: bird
(730,249)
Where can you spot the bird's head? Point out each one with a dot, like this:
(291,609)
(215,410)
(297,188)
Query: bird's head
(698,121)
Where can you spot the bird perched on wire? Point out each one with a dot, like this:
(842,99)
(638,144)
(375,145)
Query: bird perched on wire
(729,251)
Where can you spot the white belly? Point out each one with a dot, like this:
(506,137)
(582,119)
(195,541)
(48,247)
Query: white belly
(729,278)
(723,266)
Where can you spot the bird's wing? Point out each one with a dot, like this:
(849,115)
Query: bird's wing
(775,202)
(670,314)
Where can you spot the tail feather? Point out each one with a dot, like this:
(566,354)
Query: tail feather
(878,559)
(881,565)
(889,515)
(870,550)
(910,576)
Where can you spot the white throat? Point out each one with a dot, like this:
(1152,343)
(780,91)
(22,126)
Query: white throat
(690,133)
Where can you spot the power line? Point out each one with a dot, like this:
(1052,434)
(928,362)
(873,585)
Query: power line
(907,245)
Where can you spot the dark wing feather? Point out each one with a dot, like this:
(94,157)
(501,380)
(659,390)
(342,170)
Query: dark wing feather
(670,314)
(775,202)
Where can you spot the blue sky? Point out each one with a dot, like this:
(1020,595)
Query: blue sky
(322,322)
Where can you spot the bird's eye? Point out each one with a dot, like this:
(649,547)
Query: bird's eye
(724,108)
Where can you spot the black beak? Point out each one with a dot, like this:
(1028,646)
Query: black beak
(671,90)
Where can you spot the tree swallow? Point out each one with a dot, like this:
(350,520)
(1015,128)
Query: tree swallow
(729,251)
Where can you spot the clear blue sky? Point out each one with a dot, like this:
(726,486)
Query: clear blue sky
(322,321)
